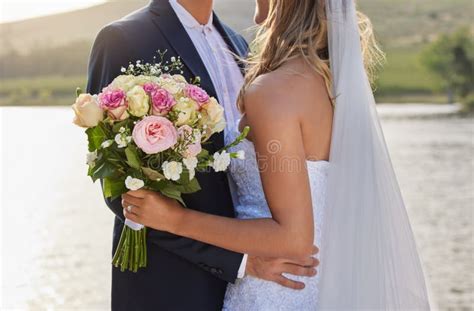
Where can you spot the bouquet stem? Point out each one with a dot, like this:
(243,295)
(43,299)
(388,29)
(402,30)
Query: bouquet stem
(131,253)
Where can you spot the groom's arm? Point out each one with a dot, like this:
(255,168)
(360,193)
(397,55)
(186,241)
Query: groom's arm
(109,53)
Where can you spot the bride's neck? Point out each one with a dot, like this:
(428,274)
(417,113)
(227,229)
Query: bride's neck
(200,10)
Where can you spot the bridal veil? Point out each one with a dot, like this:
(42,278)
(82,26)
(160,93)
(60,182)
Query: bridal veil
(369,259)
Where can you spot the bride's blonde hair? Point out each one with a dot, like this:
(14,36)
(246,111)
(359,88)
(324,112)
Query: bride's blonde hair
(298,28)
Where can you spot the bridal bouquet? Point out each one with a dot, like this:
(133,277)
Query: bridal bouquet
(148,129)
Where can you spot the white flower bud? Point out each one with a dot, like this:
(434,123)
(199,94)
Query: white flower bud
(107,143)
(221,161)
(191,164)
(91,157)
(133,183)
(240,155)
(121,141)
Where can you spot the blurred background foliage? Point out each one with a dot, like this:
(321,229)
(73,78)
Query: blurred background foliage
(429,47)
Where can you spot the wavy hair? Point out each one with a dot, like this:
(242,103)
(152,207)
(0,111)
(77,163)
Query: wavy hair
(298,28)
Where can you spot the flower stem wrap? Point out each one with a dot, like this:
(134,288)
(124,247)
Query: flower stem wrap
(131,252)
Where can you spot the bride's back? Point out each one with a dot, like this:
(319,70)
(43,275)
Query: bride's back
(305,96)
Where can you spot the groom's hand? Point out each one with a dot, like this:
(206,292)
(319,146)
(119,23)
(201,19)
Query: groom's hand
(272,269)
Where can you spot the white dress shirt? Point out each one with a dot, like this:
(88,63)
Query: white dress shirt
(224,72)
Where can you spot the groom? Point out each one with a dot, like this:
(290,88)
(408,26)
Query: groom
(183,274)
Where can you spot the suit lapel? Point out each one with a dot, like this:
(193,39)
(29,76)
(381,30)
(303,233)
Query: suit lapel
(231,42)
(166,20)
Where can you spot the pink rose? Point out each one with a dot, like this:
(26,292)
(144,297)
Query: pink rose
(194,148)
(197,94)
(154,134)
(114,102)
(162,102)
(150,87)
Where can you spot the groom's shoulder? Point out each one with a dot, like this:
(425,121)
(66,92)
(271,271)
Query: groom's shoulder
(129,26)
(234,35)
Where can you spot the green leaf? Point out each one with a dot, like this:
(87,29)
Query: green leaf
(132,157)
(239,139)
(203,153)
(174,193)
(104,170)
(157,185)
(116,127)
(152,174)
(113,187)
(191,187)
(90,172)
(96,136)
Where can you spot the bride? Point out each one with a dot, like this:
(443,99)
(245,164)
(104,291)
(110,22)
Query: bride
(316,171)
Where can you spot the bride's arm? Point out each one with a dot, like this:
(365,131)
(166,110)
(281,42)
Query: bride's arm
(276,133)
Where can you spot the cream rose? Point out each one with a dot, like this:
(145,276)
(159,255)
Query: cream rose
(174,86)
(87,111)
(179,78)
(142,80)
(138,101)
(213,117)
(186,108)
(124,82)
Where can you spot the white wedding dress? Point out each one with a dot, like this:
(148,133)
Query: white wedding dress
(258,295)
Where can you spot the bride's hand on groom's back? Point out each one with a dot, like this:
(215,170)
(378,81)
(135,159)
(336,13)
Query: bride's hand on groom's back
(272,269)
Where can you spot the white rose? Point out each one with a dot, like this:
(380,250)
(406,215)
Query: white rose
(87,111)
(172,170)
(191,164)
(138,101)
(221,161)
(91,157)
(133,183)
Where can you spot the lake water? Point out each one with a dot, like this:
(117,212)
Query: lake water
(56,230)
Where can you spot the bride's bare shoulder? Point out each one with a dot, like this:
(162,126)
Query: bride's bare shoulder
(290,91)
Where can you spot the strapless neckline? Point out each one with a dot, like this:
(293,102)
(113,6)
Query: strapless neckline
(312,163)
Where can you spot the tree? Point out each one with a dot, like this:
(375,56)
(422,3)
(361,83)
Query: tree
(451,57)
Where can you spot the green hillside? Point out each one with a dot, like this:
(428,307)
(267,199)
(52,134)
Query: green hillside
(42,58)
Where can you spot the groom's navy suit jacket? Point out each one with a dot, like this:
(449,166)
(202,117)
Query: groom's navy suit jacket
(182,274)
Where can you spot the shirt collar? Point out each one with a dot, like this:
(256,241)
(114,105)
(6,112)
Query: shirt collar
(186,18)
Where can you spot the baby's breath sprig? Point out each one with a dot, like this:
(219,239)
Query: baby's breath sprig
(158,67)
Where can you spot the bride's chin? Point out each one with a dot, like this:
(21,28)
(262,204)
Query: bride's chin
(259,19)
(261,11)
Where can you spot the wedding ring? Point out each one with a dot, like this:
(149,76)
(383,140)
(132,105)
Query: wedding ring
(129,208)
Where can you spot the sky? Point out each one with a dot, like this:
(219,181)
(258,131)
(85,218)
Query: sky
(13,10)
